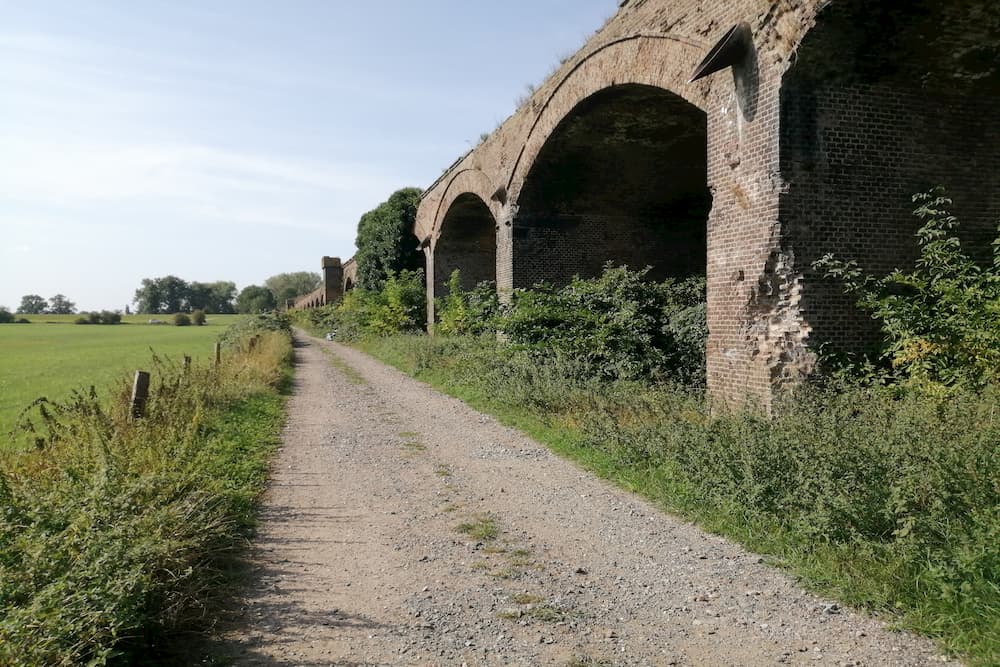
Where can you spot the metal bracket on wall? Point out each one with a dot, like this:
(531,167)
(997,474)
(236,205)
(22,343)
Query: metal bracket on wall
(733,48)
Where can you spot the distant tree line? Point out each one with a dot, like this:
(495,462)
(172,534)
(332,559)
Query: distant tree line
(171,294)
(285,286)
(33,304)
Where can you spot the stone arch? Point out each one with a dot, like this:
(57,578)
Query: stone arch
(653,59)
(466,239)
(882,101)
(462,183)
(623,178)
(348,285)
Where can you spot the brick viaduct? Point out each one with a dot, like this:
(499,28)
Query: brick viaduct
(337,279)
(828,115)
(824,119)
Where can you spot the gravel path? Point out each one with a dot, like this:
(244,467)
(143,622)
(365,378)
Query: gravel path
(360,561)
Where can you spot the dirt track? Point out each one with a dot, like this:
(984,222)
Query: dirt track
(360,562)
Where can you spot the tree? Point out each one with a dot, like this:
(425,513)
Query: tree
(6,317)
(214,297)
(223,297)
(255,299)
(385,240)
(287,286)
(32,304)
(198,296)
(60,305)
(162,295)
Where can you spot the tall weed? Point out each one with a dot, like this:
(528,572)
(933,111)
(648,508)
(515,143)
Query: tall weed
(940,320)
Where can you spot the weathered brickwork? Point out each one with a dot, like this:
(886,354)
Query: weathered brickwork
(350,275)
(333,279)
(330,291)
(813,142)
(557,248)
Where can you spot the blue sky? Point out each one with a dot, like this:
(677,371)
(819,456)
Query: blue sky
(232,140)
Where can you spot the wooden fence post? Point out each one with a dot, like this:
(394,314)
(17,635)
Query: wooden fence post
(140,393)
(218,353)
(187,364)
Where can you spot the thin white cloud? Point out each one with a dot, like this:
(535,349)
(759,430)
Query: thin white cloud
(33,169)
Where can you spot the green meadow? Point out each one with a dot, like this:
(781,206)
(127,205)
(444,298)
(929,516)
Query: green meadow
(52,356)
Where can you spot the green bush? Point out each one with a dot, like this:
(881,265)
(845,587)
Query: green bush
(198,318)
(399,307)
(472,312)
(6,317)
(182,320)
(255,325)
(941,321)
(103,317)
(22,320)
(111,317)
(620,324)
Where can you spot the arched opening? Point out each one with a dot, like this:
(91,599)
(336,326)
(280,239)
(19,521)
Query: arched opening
(468,242)
(348,285)
(622,178)
(886,99)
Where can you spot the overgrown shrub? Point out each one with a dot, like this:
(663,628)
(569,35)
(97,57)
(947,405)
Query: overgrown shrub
(472,312)
(182,320)
(620,324)
(6,317)
(255,325)
(115,531)
(103,317)
(22,320)
(198,318)
(399,307)
(941,320)
(111,317)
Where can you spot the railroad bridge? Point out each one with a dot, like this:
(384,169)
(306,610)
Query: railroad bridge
(816,122)
(337,278)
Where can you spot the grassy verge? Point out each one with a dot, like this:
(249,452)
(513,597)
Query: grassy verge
(886,499)
(115,534)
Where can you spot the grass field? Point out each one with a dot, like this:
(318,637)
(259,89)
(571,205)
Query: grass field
(51,356)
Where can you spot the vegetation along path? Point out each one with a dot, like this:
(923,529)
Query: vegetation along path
(404,528)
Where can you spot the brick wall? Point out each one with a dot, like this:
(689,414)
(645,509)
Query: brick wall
(555,249)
